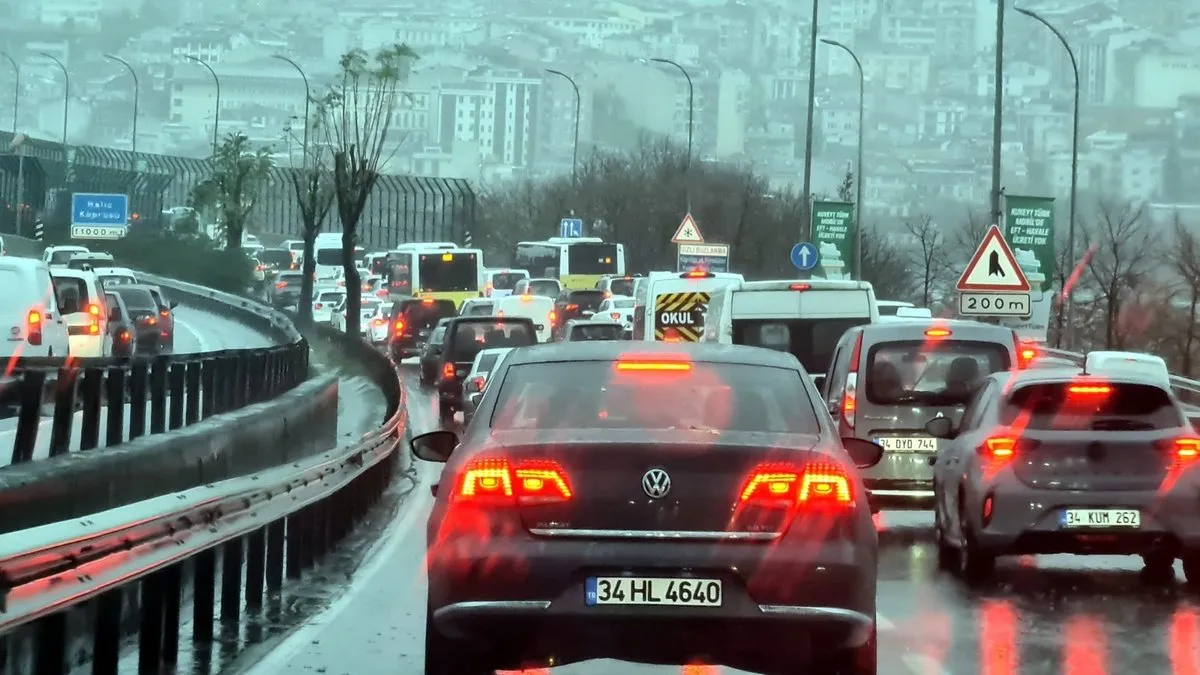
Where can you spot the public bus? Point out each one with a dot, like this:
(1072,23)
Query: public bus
(578,262)
(438,270)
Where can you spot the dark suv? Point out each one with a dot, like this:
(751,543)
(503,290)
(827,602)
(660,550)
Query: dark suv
(412,322)
(577,304)
(466,337)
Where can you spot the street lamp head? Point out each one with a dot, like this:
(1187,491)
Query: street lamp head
(1027,12)
(832,43)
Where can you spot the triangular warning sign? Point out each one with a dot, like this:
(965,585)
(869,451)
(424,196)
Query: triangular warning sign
(993,267)
(688,232)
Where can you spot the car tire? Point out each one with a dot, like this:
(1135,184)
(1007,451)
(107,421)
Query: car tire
(1158,569)
(1191,569)
(975,565)
(448,656)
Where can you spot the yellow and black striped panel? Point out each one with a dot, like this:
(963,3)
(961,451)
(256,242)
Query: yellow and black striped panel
(682,311)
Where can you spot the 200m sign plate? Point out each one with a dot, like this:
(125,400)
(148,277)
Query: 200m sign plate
(653,591)
(993,304)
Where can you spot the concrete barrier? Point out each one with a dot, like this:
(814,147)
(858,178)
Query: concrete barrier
(298,424)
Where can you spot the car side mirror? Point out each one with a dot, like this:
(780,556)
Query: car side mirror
(940,427)
(819,383)
(435,446)
(475,398)
(864,453)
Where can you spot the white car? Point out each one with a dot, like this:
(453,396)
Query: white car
(618,308)
(380,330)
(115,276)
(326,302)
(486,361)
(33,324)
(85,309)
(368,306)
(477,307)
(60,256)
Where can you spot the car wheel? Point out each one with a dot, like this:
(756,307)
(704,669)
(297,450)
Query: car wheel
(447,656)
(1157,568)
(974,564)
(947,555)
(862,660)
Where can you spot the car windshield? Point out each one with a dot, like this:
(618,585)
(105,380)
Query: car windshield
(110,280)
(471,337)
(65,286)
(1086,406)
(601,394)
(933,372)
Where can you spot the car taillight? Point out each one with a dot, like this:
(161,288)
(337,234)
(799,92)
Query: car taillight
(800,287)
(654,366)
(571,307)
(398,328)
(93,309)
(164,312)
(999,447)
(819,484)
(1089,390)
(125,336)
(94,328)
(151,321)
(478,383)
(553,317)
(448,371)
(615,315)
(850,396)
(608,294)
(381,293)
(280,285)
(1187,449)
(260,268)
(317,305)
(34,327)
(494,480)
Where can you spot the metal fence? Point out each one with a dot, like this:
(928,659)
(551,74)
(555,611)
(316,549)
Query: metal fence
(400,209)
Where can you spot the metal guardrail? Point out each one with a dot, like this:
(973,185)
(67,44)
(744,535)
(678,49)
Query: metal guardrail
(133,397)
(77,587)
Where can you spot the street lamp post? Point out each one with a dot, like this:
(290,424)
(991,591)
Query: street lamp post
(691,105)
(1070,337)
(307,102)
(16,87)
(578,105)
(806,198)
(66,93)
(858,172)
(137,94)
(998,113)
(217,107)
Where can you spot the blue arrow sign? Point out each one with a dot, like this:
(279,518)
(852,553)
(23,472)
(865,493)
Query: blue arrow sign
(805,256)
(570,228)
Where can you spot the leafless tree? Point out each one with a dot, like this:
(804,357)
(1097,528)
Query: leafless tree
(315,194)
(1121,263)
(886,265)
(927,255)
(1185,259)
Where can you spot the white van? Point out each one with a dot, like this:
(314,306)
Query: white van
(327,254)
(499,283)
(672,306)
(804,318)
(542,286)
(32,323)
(539,308)
(59,256)
(85,309)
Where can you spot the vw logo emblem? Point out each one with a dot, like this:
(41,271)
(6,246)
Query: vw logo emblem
(656,483)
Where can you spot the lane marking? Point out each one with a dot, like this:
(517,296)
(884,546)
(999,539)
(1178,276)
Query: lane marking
(384,554)
(201,341)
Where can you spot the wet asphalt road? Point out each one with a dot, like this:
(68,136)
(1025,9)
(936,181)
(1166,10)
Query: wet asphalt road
(1046,615)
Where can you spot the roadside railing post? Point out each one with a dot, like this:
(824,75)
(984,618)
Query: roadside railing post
(114,435)
(176,390)
(208,387)
(158,394)
(92,389)
(65,388)
(29,415)
(191,413)
(138,376)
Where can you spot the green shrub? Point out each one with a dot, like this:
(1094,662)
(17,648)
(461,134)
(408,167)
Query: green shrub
(186,257)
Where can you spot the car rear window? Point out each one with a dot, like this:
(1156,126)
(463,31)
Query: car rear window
(506,281)
(276,256)
(604,331)
(588,301)
(623,303)
(330,296)
(63,285)
(1087,406)
(487,362)
(472,337)
(290,279)
(479,309)
(137,298)
(62,257)
(595,394)
(812,341)
(110,280)
(621,286)
(543,287)
(930,372)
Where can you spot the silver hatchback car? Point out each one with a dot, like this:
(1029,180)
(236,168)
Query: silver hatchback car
(886,381)
(1060,461)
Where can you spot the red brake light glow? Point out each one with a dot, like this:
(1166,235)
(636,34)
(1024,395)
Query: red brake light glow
(800,287)
(615,315)
(1089,390)
(34,329)
(785,486)
(655,366)
(1000,447)
(850,395)
(93,309)
(1187,449)
(317,305)
(34,318)
(937,333)
(399,329)
(478,382)
(448,371)
(426,301)
(496,480)
(553,316)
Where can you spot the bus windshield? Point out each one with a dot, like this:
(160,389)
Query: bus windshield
(329,256)
(592,259)
(447,272)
